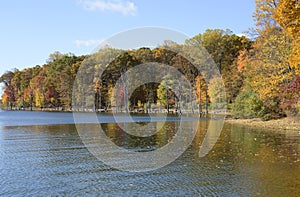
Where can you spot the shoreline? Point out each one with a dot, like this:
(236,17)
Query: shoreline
(287,124)
(284,124)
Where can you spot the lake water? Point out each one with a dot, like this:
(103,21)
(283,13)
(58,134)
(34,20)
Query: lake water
(41,154)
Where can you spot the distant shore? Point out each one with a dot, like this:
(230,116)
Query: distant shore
(283,124)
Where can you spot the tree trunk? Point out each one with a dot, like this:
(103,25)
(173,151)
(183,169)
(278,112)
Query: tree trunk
(200,100)
(206,100)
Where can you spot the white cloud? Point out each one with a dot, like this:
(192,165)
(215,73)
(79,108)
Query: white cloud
(241,35)
(87,43)
(124,7)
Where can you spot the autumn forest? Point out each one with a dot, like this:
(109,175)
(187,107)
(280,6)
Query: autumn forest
(260,71)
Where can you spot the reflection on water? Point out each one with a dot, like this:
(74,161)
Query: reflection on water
(164,134)
(131,154)
(51,160)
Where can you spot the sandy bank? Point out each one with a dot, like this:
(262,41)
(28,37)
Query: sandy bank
(287,124)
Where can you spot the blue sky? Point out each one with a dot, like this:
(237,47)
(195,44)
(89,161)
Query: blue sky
(32,29)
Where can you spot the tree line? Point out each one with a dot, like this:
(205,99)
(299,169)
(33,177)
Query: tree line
(51,85)
(260,75)
(271,68)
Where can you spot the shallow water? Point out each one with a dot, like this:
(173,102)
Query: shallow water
(42,158)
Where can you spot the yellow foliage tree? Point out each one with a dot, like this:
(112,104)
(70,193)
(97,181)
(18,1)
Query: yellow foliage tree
(201,90)
(288,16)
(268,67)
(5,99)
(217,93)
(264,13)
(39,98)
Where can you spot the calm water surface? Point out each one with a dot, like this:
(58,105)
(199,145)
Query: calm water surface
(41,154)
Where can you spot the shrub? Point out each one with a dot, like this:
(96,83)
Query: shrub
(248,105)
(290,97)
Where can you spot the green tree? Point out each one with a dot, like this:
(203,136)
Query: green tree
(224,48)
(248,104)
(165,93)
